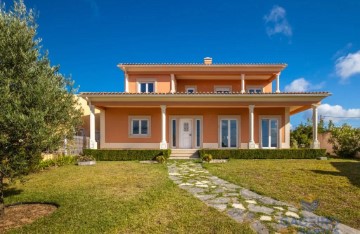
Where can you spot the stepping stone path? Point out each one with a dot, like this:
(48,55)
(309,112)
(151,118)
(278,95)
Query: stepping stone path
(265,214)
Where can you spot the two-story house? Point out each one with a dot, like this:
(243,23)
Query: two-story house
(190,106)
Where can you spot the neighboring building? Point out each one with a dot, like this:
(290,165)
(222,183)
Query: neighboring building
(189,106)
(84,131)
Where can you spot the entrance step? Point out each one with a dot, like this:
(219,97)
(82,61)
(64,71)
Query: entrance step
(184,154)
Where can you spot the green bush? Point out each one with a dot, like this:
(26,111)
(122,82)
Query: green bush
(345,141)
(161,159)
(56,162)
(206,157)
(263,153)
(126,155)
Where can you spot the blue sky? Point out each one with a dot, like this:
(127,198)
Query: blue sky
(319,40)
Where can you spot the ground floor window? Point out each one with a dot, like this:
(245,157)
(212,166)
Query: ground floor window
(269,133)
(139,126)
(229,133)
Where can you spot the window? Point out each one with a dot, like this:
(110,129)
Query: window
(190,89)
(198,133)
(222,89)
(229,133)
(269,133)
(255,90)
(146,87)
(139,126)
(174,133)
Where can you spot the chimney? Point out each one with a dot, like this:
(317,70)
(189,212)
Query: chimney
(207,61)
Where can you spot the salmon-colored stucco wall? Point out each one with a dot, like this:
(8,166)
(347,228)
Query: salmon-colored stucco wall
(117,122)
(117,125)
(208,85)
(162,82)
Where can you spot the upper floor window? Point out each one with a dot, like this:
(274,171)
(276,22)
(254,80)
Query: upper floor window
(222,89)
(146,87)
(190,89)
(255,90)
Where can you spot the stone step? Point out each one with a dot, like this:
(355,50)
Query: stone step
(184,154)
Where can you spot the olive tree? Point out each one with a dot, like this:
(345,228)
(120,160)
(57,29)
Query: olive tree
(37,104)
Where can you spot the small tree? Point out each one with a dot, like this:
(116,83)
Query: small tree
(345,140)
(38,107)
(302,135)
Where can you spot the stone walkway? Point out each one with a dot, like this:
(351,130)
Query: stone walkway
(264,214)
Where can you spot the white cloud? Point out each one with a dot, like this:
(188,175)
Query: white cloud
(276,22)
(337,112)
(302,85)
(348,65)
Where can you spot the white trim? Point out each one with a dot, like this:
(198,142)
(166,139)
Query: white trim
(279,124)
(131,118)
(131,146)
(238,130)
(145,80)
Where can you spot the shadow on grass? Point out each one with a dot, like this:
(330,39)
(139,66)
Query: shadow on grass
(350,170)
(8,192)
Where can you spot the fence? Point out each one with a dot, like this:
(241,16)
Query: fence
(75,146)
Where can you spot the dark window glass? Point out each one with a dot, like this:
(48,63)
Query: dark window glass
(135,127)
(265,132)
(144,127)
(233,136)
(198,133)
(224,133)
(143,87)
(174,132)
(150,87)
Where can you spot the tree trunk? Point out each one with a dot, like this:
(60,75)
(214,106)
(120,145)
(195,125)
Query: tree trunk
(2,204)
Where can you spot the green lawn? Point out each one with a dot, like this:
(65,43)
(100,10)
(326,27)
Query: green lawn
(117,197)
(335,183)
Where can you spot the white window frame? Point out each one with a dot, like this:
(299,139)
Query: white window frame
(238,122)
(255,88)
(222,89)
(188,87)
(276,117)
(147,81)
(139,118)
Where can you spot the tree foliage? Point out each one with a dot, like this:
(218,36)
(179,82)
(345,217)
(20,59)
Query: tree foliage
(345,140)
(37,103)
(302,135)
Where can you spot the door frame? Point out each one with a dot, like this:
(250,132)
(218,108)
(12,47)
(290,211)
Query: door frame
(238,130)
(194,138)
(278,118)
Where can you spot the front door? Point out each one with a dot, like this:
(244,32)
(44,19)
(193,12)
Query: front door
(185,138)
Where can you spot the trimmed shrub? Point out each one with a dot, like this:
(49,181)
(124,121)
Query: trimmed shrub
(263,153)
(126,155)
(56,162)
(161,159)
(207,157)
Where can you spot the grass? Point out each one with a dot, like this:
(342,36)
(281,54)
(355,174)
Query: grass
(117,197)
(335,183)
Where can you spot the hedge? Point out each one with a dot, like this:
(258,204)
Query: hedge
(126,155)
(264,153)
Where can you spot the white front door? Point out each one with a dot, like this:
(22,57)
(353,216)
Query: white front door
(185,133)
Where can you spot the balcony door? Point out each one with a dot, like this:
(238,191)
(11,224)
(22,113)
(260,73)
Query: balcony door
(229,133)
(269,133)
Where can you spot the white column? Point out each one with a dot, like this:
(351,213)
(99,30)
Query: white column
(315,143)
(287,128)
(163,143)
(251,120)
(278,82)
(126,83)
(173,89)
(93,143)
(242,83)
